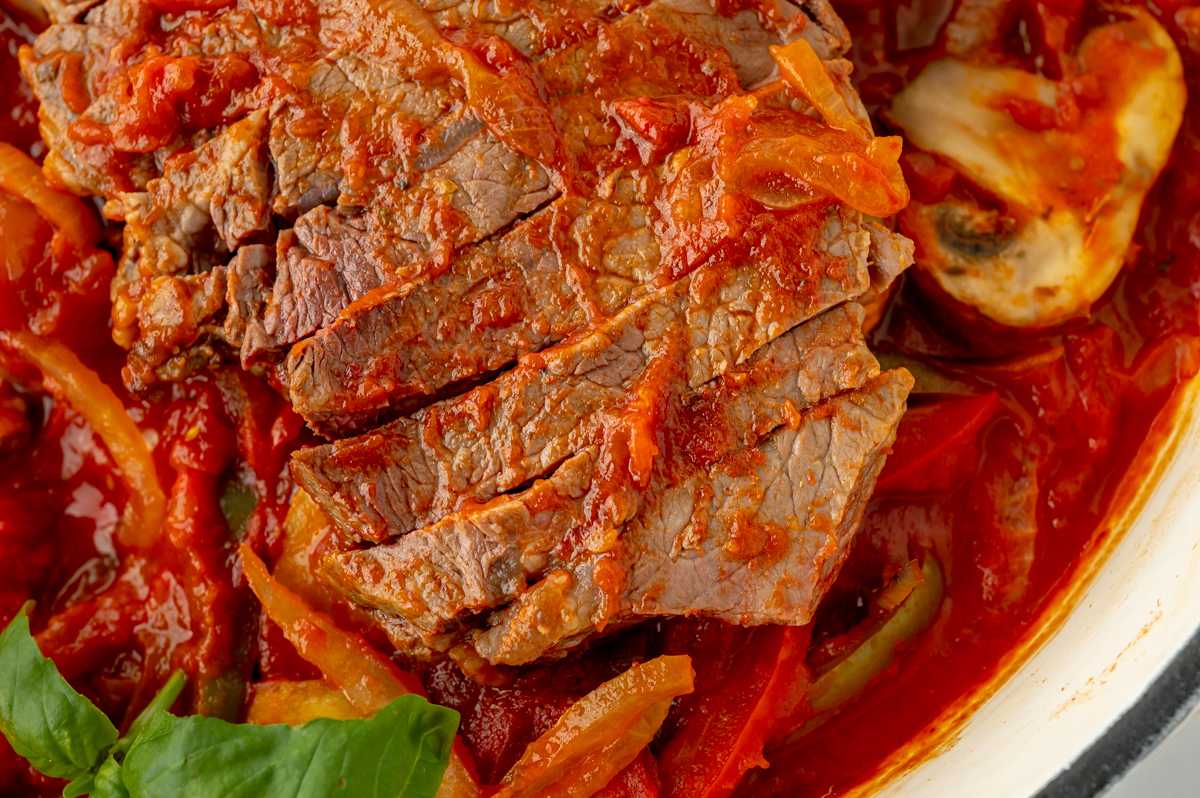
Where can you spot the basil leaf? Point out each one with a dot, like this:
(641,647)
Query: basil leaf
(60,732)
(80,786)
(402,752)
(108,781)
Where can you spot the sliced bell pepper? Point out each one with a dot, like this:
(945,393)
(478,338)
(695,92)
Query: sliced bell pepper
(370,680)
(852,673)
(935,448)
(306,532)
(22,176)
(638,780)
(601,733)
(726,733)
(831,651)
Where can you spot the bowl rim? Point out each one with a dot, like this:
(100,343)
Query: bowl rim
(1161,709)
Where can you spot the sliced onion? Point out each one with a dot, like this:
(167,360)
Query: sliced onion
(368,679)
(785,171)
(91,398)
(601,733)
(21,175)
(805,72)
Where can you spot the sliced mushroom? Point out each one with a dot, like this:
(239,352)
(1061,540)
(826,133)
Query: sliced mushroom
(1069,162)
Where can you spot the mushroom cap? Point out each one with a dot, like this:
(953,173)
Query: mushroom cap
(1057,170)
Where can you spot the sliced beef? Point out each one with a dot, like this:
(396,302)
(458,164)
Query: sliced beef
(485,184)
(415,470)
(305,147)
(337,133)
(746,518)
(556,614)
(471,561)
(888,256)
(614,355)
(60,68)
(305,287)
(766,544)
(249,279)
(478,190)
(442,135)
(412,471)
(479,559)
(757,539)
(178,321)
(518,293)
(464,183)
(534,286)
(207,203)
(533,28)
(309,291)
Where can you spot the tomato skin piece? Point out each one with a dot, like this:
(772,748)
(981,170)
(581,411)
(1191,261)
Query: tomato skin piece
(935,446)
(726,734)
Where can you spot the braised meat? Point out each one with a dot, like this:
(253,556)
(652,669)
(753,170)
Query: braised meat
(759,481)
(569,287)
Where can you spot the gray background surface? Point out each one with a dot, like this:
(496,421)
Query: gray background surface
(1171,771)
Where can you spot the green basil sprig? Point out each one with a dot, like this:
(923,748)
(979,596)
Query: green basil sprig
(401,752)
(60,732)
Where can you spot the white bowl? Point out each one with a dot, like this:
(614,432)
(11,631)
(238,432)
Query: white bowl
(1112,667)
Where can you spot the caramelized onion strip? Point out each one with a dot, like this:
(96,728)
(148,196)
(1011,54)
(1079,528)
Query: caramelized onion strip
(786,171)
(805,72)
(369,680)
(601,733)
(91,398)
(20,175)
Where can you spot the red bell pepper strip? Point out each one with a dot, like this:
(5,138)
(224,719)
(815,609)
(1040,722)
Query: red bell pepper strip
(638,780)
(935,448)
(726,734)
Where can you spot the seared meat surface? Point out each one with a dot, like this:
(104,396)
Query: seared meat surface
(570,287)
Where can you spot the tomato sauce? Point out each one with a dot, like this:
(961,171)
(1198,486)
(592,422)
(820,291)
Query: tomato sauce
(1046,424)
(1077,402)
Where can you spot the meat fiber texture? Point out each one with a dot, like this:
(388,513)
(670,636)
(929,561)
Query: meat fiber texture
(423,237)
(752,489)
(575,368)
